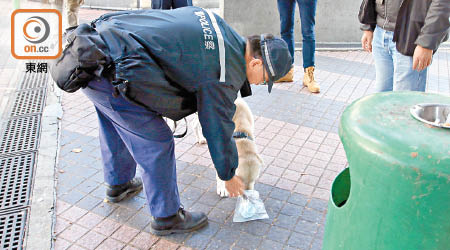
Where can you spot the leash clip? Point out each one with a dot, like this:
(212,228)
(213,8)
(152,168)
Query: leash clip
(119,86)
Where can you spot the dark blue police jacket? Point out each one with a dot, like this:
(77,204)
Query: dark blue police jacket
(173,62)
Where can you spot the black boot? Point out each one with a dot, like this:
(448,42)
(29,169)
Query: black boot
(182,222)
(116,193)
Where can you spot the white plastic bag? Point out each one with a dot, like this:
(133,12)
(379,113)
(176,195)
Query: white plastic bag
(249,207)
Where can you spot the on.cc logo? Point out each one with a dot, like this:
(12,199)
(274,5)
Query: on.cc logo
(36,34)
(36,29)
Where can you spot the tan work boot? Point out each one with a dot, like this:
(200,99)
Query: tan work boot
(308,80)
(289,77)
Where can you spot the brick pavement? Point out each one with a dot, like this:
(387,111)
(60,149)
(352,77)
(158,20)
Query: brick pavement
(296,133)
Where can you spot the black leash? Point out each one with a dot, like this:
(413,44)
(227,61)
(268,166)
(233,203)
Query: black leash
(175,128)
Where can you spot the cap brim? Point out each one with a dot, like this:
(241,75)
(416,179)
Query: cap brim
(269,85)
(266,68)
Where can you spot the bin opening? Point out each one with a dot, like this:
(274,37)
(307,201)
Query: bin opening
(437,115)
(340,189)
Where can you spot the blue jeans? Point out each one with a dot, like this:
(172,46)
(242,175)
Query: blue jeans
(307,17)
(131,135)
(393,70)
(170,4)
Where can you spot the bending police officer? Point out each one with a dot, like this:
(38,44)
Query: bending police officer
(173,63)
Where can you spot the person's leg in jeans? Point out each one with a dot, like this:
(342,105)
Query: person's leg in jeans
(161,4)
(383,58)
(286,9)
(170,4)
(308,21)
(181,3)
(156,4)
(405,78)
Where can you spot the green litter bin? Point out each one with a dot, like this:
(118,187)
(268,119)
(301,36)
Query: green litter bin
(395,194)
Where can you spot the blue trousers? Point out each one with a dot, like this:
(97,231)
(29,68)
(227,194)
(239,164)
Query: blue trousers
(307,8)
(170,4)
(131,135)
(394,71)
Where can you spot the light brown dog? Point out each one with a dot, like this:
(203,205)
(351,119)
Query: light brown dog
(249,160)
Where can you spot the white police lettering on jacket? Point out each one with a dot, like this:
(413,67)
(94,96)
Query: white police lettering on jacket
(207,32)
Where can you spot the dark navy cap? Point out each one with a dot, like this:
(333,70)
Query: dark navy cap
(276,57)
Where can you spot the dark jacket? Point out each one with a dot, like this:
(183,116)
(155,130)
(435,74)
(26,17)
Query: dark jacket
(387,11)
(418,22)
(172,62)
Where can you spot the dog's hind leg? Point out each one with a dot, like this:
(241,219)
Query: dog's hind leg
(251,186)
(200,138)
(198,130)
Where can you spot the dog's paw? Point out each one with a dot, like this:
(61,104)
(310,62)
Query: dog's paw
(221,190)
(201,140)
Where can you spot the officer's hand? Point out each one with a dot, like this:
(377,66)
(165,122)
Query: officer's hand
(366,40)
(234,186)
(422,58)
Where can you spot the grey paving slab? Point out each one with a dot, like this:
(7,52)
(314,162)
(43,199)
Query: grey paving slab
(122,214)
(248,241)
(271,244)
(280,194)
(318,204)
(291,209)
(72,196)
(198,240)
(219,245)
(89,186)
(278,234)
(88,202)
(286,221)
(300,241)
(306,227)
(218,215)
(104,209)
(211,229)
(258,228)
(316,245)
(139,220)
(312,215)
(227,235)
(178,238)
